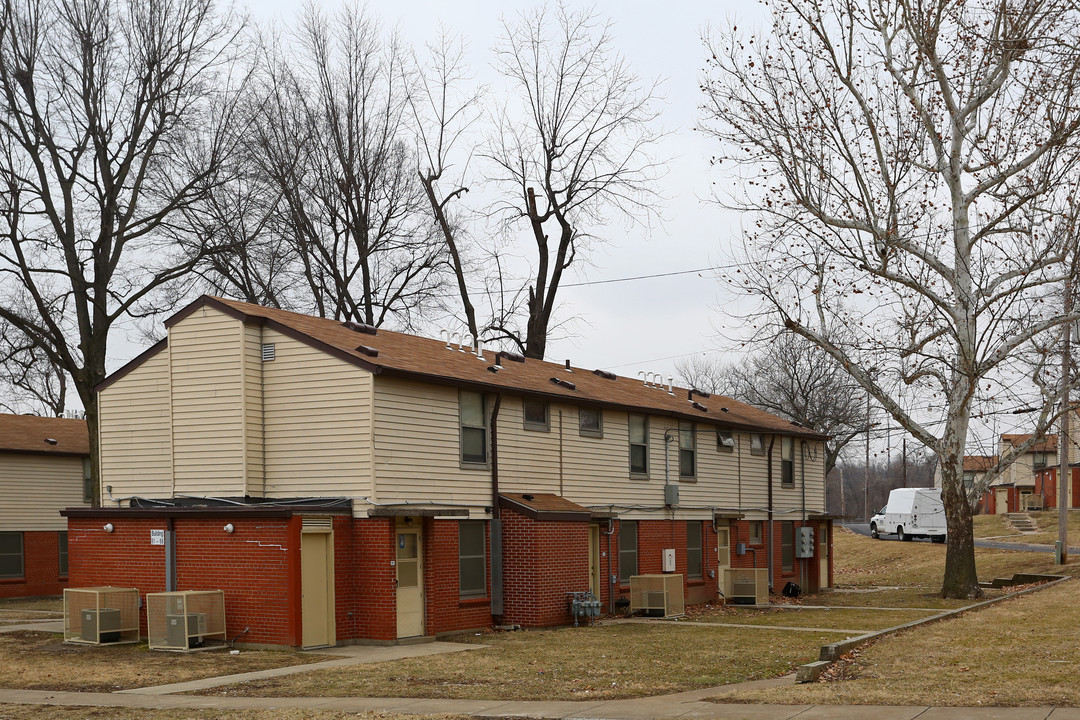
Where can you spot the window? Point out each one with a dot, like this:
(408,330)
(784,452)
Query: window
(787,546)
(787,461)
(88,482)
(725,441)
(757,444)
(969,479)
(61,541)
(687,464)
(627,550)
(536,415)
(693,550)
(755,532)
(473,428)
(639,444)
(1039,460)
(472,561)
(11,555)
(590,422)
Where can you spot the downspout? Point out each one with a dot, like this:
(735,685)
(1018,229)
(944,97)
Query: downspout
(560,454)
(170,555)
(804,573)
(496,521)
(769,545)
(610,575)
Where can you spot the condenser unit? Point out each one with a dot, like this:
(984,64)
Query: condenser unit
(101,615)
(185,620)
(660,595)
(746,586)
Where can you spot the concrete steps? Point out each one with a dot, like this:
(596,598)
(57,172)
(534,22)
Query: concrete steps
(1022,523)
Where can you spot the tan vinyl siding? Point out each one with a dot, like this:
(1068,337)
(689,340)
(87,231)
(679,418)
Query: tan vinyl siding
(316,411)
(417,456)
(253,410)
(788,501)
(207,404)
(135,437)
(36,487)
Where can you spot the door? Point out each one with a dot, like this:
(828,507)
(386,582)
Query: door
(594,559)
(823,554)
(410,581)
(723,552)
(1001,501)
(316,579)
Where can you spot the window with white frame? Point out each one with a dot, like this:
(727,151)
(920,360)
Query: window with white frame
(787,461)
(757,444)
(639,444)
(474,439)
(725,441)
(590,422)
(687,450)
(536,415)
(472,559)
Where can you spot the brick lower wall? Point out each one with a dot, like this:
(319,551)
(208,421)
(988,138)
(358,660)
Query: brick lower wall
(41,567)
(542,561)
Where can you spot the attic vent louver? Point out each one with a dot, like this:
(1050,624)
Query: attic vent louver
(365,350)
(50,441)
(269,352)
(360,327)
(699,406)
(514,357)
(604,374)
(564,383)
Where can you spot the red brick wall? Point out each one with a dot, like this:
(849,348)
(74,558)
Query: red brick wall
(446,609)
(542,561)
(366,581)
(41,567)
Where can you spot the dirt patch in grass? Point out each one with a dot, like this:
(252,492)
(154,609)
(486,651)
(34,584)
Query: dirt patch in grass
(57,712)
(42,661)
(1020,652)
(601,662)
(791,616)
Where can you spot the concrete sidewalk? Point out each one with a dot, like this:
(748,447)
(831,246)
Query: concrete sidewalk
(682,705)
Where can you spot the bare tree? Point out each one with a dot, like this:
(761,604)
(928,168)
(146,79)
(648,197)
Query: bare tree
(792,378)
(573,147)
(909,165)
(29,381)
(334,142)
(113,116)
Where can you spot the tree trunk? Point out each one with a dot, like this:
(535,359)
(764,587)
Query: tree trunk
(961,580)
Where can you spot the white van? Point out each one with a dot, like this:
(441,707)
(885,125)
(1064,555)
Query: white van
(911,513)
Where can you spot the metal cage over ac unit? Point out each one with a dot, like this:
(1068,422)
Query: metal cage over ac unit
(748,586)
(185,620)
(101,615)
(657,594)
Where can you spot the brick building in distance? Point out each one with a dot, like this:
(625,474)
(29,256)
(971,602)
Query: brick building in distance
(344,484)
(43,469)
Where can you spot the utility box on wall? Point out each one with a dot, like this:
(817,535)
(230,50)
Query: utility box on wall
(804,542)
(669,560)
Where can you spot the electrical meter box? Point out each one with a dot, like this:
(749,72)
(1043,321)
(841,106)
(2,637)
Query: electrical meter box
(804,542)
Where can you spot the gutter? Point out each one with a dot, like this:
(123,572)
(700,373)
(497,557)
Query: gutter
(496,520)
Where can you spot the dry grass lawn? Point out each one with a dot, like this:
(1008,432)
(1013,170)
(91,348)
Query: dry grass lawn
(57,712)
(605,662)
(41,661)
(838,619)
(1021,651)
(21,609)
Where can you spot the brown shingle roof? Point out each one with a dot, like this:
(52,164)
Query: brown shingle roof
(544,506)
(404,355)
(29,433)
(1049,443)
(979,463)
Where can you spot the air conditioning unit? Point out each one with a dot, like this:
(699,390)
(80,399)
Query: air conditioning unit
(659,595)
(746,586)
(101,615)
(185,620)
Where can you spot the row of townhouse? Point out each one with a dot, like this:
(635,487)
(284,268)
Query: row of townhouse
(44,466)
(344,484)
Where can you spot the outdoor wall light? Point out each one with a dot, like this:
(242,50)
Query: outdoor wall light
(229,528)
(108,527)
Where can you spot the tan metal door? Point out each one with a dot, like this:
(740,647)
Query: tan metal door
(317,603)
(723,551)
(410,583)
(823,553)
(594,559)
(1001,504)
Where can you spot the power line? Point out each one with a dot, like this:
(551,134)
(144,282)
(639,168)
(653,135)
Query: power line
(655,275)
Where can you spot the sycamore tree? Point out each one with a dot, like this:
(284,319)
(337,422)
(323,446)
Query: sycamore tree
(910,168)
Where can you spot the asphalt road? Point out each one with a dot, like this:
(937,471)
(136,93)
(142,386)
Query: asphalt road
(864,529)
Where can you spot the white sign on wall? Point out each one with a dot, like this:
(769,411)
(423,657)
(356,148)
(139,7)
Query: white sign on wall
(157,537)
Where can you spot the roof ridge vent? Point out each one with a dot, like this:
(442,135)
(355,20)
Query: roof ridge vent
(513,357)
(604,374)
(360,327)
(564,383)
(700,393)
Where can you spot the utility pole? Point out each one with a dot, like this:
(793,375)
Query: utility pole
(1063,436)
(866,468)
(905,462)
(843,512)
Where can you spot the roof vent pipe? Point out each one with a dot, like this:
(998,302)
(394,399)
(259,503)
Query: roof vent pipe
(479,350)
(498,361)
(451,340)
(644,377)
(670,385)
(445,335)
(568,365)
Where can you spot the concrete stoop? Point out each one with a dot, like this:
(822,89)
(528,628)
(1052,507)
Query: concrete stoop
(1021,523)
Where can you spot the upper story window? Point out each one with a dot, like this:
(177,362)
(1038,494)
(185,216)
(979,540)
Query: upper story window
(639,444)
(757,444)
(1039,460)
(725,441)
(969,479)
(687,450)
(590,422)
(88,482)
(537,416)
(787,460)
(474,441)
